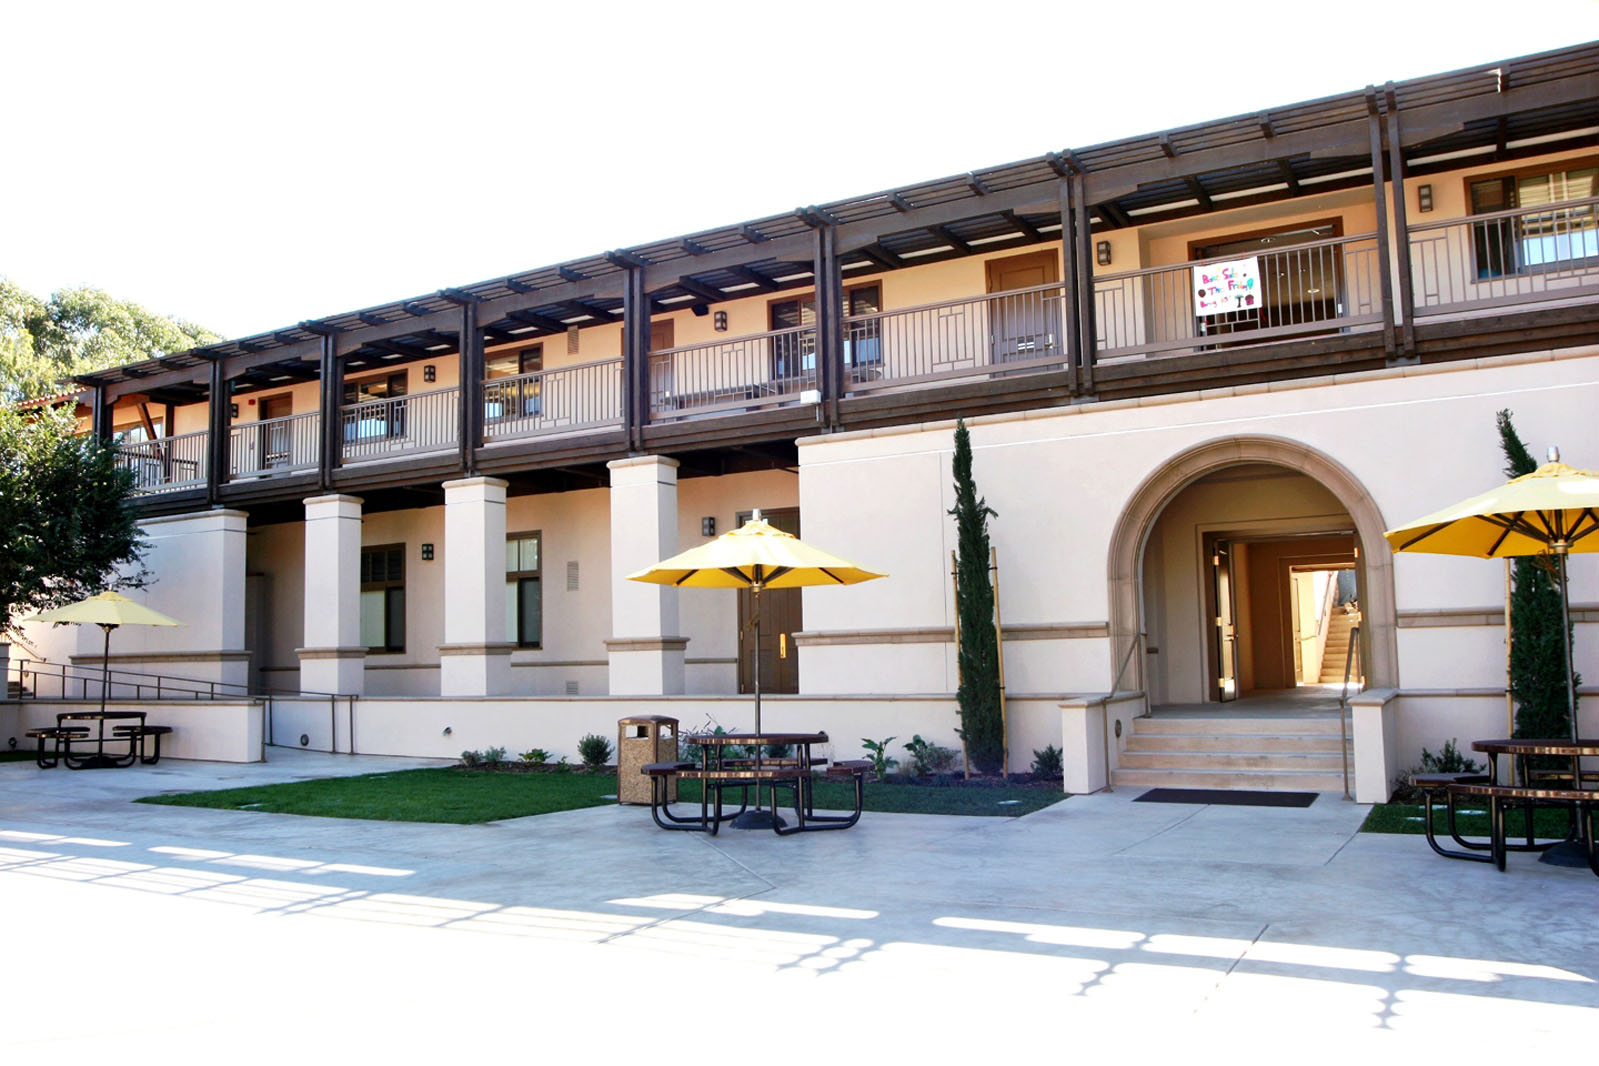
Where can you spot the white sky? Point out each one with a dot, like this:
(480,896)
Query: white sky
(246,166)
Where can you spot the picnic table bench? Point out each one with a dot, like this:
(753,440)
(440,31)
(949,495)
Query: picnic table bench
(129,727)
(793,775)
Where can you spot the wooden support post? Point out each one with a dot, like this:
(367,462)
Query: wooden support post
(1068,288)
(1380,195)
(216,442)
(1085,286)
(330,401)
(470,346)
(100,414)
(829,277)
(635,359)
(1396,174)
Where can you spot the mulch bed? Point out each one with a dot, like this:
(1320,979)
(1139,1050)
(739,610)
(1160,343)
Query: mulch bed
(517,766)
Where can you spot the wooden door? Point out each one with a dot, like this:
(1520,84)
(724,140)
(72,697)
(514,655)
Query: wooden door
(780,620)
(662,336)
(1221,569)
(1025,325)
(276,443)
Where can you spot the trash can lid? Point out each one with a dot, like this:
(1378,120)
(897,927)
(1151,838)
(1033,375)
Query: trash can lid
(645,719)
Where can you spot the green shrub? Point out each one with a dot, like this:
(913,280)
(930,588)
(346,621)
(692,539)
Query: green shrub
(1048,763)
(595,751)
(493,757)
(928,758)
(1449,760)
(882,761)
(472,758)
(536,756)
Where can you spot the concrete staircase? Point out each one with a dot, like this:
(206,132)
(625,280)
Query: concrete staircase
(1339,623)
(1268,753)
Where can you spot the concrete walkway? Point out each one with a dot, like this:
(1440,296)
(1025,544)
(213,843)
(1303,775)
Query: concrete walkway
(1214,933)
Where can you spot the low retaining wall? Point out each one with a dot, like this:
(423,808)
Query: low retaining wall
(209,730)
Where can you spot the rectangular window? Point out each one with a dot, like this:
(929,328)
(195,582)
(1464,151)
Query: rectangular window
(382,410)
(1547,230)
(383,598)
(794,355)
(524,599)
(511,392)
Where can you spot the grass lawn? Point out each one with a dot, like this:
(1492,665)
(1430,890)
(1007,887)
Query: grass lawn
(467,796)
(1407,818)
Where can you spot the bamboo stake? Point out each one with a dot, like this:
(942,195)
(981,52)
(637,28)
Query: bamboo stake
(999,647)
(955,584)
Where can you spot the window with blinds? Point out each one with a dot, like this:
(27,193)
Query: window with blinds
(524,591)
(1539,221)
(794,355)
(383,598)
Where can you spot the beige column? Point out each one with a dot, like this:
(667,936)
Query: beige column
(645,650)
(333,659)
(475,658)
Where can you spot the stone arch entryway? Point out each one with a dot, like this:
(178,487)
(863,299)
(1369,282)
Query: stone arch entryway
(1144,507)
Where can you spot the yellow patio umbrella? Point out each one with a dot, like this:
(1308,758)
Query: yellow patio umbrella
(1554,510)
(757,555)
(108,610)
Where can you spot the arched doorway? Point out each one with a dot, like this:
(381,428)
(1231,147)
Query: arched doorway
(1345,509)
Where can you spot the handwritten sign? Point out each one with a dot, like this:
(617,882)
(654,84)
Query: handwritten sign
(1223,288)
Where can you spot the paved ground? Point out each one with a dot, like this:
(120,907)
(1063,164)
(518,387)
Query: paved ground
(1098,925)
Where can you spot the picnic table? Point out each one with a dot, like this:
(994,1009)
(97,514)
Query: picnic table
(718,772)
(131,728)
(1541,787)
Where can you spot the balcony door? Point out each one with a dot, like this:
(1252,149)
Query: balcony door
(276,445)
(1301,279)
(662,336)
(1025,326)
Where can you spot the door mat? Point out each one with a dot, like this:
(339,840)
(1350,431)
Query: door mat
(1227,797)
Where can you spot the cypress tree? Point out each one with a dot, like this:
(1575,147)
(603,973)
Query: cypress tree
(978,695)
(1537,653)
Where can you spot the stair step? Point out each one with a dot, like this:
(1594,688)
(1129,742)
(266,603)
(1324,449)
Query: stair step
(1313,743)
(1212,726)
(1273,781)
(1207,761)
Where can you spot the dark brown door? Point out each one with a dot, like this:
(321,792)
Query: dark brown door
(780,620)
(661,338)
(1024,325)
(276,443)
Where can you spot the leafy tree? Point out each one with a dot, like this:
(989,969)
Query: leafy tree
(981,725)
(1537,652)
(66,509)
(76,331)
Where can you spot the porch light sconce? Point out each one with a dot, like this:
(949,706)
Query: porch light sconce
(719,321)
(1102,253)
(430,373)
(427,553)
(708,526)
(233,410)
(1424,197)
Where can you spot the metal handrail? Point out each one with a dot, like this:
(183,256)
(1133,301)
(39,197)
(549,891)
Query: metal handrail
(956,302)
(1509,212)
(162,683)
(740,339)
(1343,703)
(1275,250)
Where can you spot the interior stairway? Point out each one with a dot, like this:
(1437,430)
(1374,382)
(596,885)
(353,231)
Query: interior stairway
(1281,754)
(1333,660)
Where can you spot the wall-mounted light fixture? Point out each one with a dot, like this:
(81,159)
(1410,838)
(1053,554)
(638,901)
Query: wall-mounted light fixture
(233,410)
(1102,253)
(427,553)
(1424,197)
(708,526)
(719,321)
(430,373)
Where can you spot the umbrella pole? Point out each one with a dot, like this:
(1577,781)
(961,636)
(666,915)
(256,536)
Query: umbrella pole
(1561,548)
(1510,672)
(105,682)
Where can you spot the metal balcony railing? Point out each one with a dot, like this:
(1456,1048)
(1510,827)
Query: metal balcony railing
(400,425)
(739,374)
(977,336)
(1527,255)
(166,464)
(1305,288)
(273,446)
(553,401)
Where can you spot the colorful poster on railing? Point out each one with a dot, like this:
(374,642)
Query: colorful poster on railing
(1223,288)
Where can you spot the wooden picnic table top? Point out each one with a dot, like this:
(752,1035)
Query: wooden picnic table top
(1537,746)
(726,739)
(99,716)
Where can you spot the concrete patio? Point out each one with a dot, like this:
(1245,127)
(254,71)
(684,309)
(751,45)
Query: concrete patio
(1230,933)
